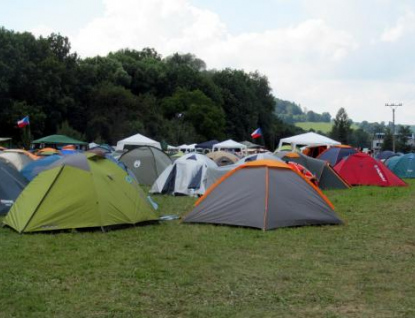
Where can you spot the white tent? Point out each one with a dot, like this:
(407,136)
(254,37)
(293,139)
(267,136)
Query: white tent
(186,176)
(137,140)
(187,148)
(307,139)
(228,144)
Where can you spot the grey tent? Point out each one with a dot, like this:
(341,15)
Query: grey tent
(146,162)
(215,173)
(327,177)
(18,159)
(263,194)
(186,176)
(11,184)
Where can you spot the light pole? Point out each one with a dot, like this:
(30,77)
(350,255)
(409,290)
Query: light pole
(393,107)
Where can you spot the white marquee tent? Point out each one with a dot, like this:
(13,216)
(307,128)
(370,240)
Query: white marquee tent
(228,144)
(307,139)
(137,140)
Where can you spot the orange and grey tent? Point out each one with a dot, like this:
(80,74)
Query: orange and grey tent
(263,194)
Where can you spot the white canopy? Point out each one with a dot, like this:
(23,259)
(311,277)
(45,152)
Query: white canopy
(307,139)
(228,144)
(137,140)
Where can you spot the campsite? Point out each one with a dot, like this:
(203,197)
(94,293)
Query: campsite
(196,158)
(196,244)
(362,269)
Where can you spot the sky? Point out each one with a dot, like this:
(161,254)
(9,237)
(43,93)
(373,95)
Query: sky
(320,54)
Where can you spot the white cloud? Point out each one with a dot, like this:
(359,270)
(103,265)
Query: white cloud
(301,61)
(405,24)
(42,30)
(168,26)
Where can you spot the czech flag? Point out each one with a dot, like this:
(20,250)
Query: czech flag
(24,122)
(257,133)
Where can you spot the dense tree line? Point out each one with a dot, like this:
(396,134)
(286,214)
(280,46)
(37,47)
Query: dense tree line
(175,99)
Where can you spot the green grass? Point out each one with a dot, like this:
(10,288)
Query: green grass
(321,126)
(365,268)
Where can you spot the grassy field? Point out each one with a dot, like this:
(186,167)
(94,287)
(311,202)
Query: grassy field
(323,127)
(365,268)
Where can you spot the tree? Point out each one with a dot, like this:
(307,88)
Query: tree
(402,139)
(387,140)
(325,117)
(360,138)
(196,108)
(341,129)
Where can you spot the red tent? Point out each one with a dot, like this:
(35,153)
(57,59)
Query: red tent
(362,169)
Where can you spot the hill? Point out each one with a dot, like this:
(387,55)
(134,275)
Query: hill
(320,126)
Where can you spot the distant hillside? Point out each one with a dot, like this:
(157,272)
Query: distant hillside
(292,113)
(323,127)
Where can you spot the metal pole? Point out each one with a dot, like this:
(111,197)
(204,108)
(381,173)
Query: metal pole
(393,107)
(393,129)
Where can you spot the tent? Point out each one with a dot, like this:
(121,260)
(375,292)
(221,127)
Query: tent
(229,145)
(18,159)
(222,158)
(213,174)
(136,140)
(32,169)
(251,145)
(187,148)
(362,169)
(307,139)
(186,176)
(385,155)
(48,151)
(402,166)
(313,151)
(335,153)
(207,144)
(79,191)
(60,140)
(146,162)
(281,197)
(11,184)
(327,177)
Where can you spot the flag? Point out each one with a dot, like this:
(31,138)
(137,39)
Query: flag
(257,133)
(24,122)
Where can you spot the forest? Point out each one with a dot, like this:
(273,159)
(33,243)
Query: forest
(174,99)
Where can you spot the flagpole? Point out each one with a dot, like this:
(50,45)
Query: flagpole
(29,137)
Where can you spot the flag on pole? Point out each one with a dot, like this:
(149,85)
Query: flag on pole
(24,122)
(257,133)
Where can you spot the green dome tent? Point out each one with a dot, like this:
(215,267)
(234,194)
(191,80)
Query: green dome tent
(79,191)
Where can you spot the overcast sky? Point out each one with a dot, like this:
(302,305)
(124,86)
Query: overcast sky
(321,54)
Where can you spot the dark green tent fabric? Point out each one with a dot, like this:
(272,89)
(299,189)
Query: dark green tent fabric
(58,139)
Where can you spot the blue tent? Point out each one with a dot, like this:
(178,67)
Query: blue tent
(32,169)
(11,184)
(334,154)
(402,166)
(384,155)
(207,144)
